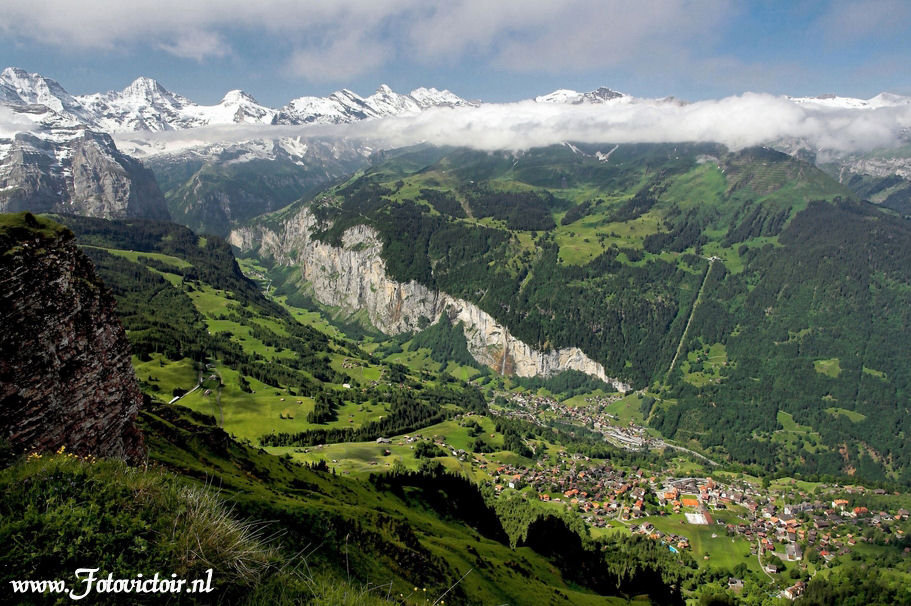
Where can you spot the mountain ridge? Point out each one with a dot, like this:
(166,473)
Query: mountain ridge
(146,105)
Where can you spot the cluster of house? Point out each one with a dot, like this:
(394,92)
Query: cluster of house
(601,493)
(598,492)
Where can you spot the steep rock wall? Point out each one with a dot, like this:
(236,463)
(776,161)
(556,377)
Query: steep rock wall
(66,377)
(84,174)
(354,278)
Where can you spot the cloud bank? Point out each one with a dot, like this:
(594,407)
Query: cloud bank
(737,122)
(333,40)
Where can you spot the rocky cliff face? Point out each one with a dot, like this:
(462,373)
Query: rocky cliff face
(354,278)
(80,173)
(65,373)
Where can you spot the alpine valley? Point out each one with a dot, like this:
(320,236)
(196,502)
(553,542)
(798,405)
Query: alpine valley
(339,355)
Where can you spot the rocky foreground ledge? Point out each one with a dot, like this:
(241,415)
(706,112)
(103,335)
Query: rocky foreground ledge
(65,373)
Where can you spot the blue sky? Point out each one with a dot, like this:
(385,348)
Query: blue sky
(499,50)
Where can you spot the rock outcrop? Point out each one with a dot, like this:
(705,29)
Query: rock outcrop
(353,277)
(66,378)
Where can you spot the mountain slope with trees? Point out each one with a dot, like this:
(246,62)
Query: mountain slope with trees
(803,285)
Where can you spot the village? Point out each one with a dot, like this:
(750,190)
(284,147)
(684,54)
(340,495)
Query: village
(777,530)
(781,524)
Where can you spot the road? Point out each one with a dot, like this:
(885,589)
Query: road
(662,443)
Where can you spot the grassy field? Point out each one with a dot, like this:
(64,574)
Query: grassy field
(830,367)
(874,373)
(139,257)
(703,366)
(724,551)
(794,435)
(165,374)
(628,408)
(363,458)
(583,240)
(853,416)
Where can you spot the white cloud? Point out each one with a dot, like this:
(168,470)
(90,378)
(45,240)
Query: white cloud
(196,45)
(342,38)
(737,122)
(12,122)
(348,55)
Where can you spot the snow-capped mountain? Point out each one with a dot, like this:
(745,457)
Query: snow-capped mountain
(600,95)
(18,87)
(146,105)
(52,160)
(836,102)
(345,106)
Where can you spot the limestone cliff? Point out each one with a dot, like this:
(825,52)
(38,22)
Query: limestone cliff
(353,277)
(66,377)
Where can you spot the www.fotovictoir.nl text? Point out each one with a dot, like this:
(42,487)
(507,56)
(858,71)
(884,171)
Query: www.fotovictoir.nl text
(89,582)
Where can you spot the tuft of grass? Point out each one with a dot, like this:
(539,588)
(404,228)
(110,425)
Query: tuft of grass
(206,533)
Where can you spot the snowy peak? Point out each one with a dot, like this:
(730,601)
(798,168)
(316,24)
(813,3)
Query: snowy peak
(22,88)
(235,107)
(237,97)
(148,90)
(431,97)
(144,105)
(599,95)
(345,106)
(386,102)
(833,101)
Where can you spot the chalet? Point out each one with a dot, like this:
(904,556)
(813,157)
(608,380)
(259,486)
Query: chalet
(859,511)
(795,590)
(793,552)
